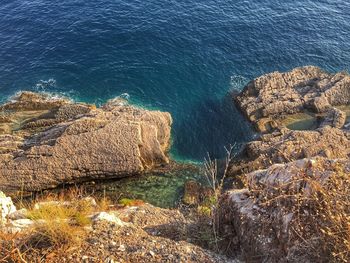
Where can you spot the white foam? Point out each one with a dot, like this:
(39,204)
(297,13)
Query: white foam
(238,82)
(43,85)
(125,96)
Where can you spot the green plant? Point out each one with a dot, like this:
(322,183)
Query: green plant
(130,202)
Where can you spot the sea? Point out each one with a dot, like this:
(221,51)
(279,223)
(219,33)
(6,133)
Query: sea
(180,56)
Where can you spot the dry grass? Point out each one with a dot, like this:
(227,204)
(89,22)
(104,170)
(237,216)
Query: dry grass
(9,251)
(204,231)
(60,224)
(321,214)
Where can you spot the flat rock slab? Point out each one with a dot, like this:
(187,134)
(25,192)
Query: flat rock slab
(77,142)
(287,145)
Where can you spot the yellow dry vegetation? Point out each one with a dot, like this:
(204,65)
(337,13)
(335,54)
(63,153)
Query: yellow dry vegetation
(60,224)
(321,212)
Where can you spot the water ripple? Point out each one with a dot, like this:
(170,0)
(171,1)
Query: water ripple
(182,56)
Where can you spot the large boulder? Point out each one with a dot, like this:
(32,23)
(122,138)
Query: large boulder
(55,141)
(335,118)
(273,96)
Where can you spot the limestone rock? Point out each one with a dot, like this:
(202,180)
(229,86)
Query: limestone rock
(33,101)
(272,98)
(276,95)
(19,214)
(65,142)
(263,233)
(6,208)
(14,221)
(19,225)
(335,118)
(108,217)
(321,104)
(287,145)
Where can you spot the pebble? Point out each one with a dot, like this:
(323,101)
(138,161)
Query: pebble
(111,260)
(121,248)
(113,243)
(188,249)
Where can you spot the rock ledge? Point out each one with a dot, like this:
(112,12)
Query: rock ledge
(46,142)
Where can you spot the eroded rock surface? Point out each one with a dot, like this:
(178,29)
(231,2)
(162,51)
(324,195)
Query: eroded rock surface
(262,219)
(259,220)
(271,97)
(286,145)
(46,142)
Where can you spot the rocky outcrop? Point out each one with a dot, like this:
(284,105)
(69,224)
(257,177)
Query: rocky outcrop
(293,179)
(276,218)
(47,141)
(6,208)
(282,146)
(269,98)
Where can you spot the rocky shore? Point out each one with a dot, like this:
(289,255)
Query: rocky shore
(267,100)
(293,179)
(273,98)
(46,142)
(289,201)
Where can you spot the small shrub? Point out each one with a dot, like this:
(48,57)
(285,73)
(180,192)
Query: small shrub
(104,204)
(320,209)
(58,233)
(59,225)
(60,219)
(130,202)
(204,210)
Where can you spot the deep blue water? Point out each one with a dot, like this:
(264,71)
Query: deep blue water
(180,56)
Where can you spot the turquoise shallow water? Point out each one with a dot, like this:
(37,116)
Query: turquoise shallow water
(163,190)
(180,56)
